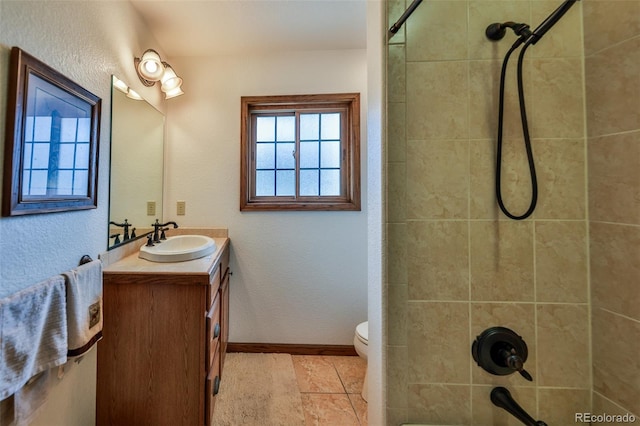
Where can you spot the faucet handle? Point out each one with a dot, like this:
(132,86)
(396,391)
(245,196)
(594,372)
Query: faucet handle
(514,361)
(162,235)
(524,373)
(156,227)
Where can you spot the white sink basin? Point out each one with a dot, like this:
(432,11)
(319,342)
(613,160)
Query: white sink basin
(179,249)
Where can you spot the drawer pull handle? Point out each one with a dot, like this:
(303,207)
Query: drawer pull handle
(216,385)
(216,330)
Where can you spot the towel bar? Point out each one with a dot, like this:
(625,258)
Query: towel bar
(85,259)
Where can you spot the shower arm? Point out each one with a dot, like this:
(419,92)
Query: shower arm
(395,27)
(497,31)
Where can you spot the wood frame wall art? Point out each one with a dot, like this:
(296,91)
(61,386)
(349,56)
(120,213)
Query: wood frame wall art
(51,143)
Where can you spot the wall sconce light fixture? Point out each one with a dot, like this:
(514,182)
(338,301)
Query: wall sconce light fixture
(122,86)
(151,69)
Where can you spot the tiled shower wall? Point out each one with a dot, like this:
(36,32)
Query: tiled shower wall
(456,264)
(612,71)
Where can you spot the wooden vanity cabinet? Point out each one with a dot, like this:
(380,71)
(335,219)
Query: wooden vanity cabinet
(161,357)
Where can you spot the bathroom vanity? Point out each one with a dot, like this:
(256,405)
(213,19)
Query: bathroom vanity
(166,328)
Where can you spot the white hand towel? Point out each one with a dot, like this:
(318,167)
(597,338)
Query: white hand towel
(33,333)
(30,400)
(84,306)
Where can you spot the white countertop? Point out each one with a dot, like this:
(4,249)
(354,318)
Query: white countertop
(133,264)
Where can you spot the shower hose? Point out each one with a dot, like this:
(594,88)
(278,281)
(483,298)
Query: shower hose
(525,131)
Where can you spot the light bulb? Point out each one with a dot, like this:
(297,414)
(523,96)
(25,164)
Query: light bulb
(169,79)
(150,66)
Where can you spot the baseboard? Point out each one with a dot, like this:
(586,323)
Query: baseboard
(293,349)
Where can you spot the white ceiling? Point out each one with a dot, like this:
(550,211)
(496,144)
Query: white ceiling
(221,27)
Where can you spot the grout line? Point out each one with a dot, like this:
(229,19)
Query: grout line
(329,359)
(535,320)
(355,412)
(339,377)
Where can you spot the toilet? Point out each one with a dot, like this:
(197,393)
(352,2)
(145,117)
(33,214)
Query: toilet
(361,344)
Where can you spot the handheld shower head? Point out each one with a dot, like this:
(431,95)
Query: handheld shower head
(526,38)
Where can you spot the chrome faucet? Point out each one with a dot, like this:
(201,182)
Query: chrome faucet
(159,227)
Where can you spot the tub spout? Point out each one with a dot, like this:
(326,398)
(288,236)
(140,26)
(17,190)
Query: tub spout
(501,397)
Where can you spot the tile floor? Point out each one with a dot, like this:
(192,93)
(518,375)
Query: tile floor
(330,387)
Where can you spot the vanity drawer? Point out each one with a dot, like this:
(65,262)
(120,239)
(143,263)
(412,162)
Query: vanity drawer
(213,331)
(212,386)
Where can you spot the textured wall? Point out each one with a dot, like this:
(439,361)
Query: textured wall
(456,264)
(298,277)
(86,41)
(612,71)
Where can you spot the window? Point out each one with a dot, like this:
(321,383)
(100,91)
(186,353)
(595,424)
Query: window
(300,152)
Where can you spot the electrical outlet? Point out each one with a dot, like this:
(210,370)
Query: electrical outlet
(151,208)
(181,208)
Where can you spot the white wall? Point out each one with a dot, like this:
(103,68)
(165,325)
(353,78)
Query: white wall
(86,41)
(376,178)
(298,277)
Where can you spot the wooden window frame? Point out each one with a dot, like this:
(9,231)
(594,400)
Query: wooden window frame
(349,103)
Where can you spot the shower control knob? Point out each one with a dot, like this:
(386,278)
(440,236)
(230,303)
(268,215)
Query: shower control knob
(500,351)
(513,360)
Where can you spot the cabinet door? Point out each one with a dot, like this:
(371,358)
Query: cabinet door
(151,359)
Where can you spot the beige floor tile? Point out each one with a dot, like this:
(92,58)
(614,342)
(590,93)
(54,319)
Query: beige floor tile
(328,409)
(315,373)
(360,407)
(330,387)
(351,371)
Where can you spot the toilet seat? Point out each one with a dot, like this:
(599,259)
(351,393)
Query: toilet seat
(362,332)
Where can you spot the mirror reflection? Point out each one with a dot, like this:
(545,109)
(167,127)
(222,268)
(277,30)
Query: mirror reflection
(137,163)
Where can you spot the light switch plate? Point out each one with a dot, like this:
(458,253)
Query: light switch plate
(181,208)
(151,208)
